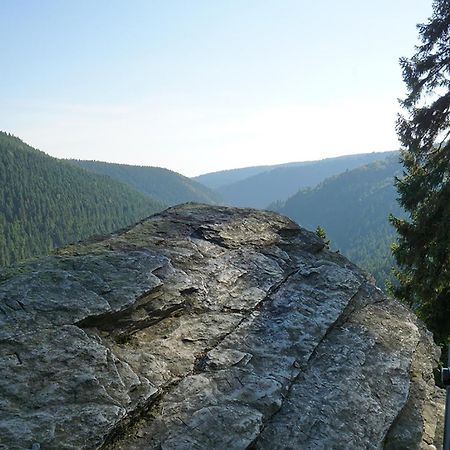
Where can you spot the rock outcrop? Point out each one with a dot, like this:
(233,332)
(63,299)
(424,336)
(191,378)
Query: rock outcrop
(210,328)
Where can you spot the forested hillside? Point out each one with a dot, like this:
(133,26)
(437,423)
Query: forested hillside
(46,202)
(162,184)
(216,180)
(281,182)
(353,207)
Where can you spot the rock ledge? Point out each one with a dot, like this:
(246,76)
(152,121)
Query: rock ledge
(210,328)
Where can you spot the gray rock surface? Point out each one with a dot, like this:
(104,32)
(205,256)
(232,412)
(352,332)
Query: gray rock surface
(210,328)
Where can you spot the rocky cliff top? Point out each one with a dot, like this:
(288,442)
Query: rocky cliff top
(210,328)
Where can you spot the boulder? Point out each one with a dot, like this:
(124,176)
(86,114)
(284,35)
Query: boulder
(210,328)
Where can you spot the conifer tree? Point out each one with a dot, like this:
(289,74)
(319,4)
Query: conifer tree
(423,247)
(320,232)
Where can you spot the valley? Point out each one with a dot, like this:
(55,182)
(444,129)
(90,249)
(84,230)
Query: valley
(48,202)
(351,197)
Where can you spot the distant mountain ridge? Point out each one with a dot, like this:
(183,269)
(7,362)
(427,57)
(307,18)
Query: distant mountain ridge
(46,202)
(280,182)
(353,207)
(160,184)
(221,178)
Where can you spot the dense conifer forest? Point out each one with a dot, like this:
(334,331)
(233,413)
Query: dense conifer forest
(161,184)
(46,202)
(353,208)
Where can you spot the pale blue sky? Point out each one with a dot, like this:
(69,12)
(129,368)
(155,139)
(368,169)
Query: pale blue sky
(197,86)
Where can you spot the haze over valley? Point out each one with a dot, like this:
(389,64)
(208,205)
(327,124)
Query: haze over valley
(350,196)
(224,225)
(249,116)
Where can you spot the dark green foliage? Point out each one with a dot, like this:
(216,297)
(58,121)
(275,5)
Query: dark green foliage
(423,248)
(46,203)
(280,182)
(164,185)
(353,207)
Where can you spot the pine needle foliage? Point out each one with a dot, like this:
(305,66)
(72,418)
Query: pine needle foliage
(422,250)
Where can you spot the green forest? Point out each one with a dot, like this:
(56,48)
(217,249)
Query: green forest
(353,208)
(164,185)
(259,190)
(46,202)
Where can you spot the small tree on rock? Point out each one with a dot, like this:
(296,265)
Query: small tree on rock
(320,231)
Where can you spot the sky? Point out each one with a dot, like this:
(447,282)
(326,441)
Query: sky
(198,86)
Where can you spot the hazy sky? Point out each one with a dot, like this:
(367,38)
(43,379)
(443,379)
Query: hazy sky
(197,86)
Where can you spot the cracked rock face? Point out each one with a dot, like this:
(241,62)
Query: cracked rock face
(210,328)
